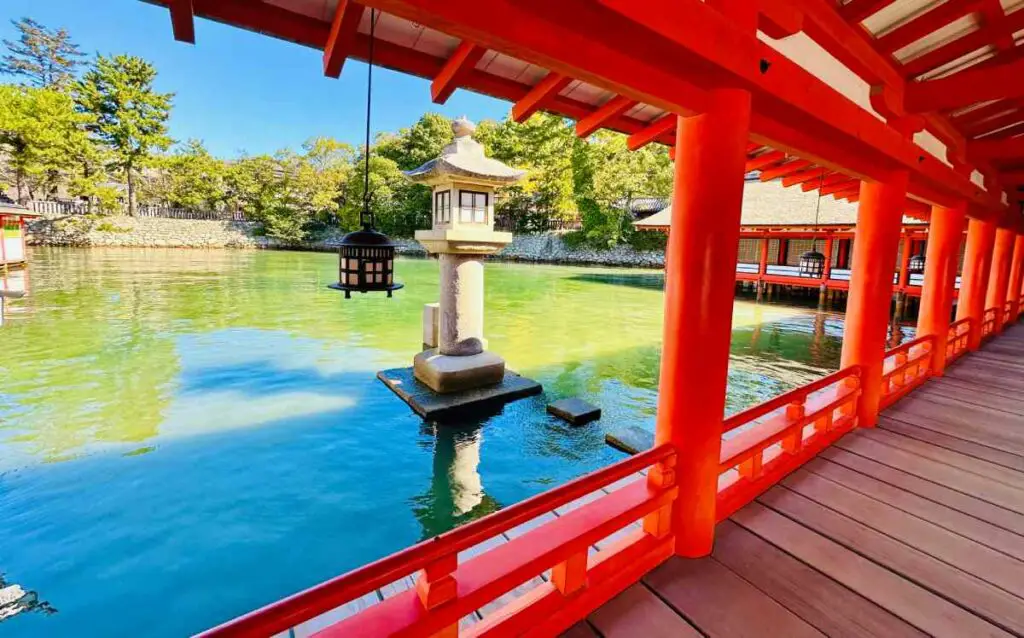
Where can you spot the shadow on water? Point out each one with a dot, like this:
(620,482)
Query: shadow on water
(646,280)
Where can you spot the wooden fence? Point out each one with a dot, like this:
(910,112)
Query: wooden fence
(71,207)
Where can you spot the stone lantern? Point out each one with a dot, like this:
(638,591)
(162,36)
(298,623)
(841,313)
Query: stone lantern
(463,180)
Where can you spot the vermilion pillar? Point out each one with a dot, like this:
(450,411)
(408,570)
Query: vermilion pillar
(945,232)
(974,279)
(876,239)
(1016,277)
(702,249)
(999,276)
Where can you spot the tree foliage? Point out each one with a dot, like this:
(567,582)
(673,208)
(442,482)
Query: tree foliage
(42,136)
(46,58)
(131,116)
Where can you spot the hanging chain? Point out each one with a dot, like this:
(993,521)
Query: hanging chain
(817,209)
(366,216)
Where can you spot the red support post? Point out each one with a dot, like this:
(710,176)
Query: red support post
(908,244)
(999,276)
(974,280)
(826,274)
(1016,277)
(701,275)
(762,265)
(876,239)
(945,232)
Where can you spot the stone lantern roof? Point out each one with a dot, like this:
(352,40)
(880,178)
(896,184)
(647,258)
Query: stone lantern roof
(464,158)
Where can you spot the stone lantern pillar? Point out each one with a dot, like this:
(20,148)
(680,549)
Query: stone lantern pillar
(462,235)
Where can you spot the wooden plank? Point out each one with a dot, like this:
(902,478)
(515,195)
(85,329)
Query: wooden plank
(949,416)
(948,382)
(955,478)
(638,612)
(983,510)
(959,551)
(964,446)
(720,603)
(976,529)
(916,605)
(983,599)
(977,466)
(831,607)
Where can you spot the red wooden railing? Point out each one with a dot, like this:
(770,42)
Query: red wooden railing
(959,335)
(764,443)
(988,324)
(1007,311)
(906,367)
(447,589)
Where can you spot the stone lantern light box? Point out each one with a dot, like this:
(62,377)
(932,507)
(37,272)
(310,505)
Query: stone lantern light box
(455,362)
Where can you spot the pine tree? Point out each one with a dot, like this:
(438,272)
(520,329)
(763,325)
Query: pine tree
(46,57)
(131,117)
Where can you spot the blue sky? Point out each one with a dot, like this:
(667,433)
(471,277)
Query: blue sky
(239,91)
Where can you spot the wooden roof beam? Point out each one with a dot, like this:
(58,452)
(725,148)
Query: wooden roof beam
(182,20)
(1009,149)
(1013,178)
(809,176)
(549,86)
(610,110)
(927,23)
(965,88)
(764,160)
(859,10)
(963,45)
(839,187)
(342,36)
(995,124)
(829,180)
(663,125)
(454,71)
(786,169)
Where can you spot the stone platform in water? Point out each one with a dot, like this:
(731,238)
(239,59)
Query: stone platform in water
(575,411)
(431,405)
(631,439)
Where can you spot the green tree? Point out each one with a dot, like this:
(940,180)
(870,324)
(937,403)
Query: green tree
(188,178)
(418,144)
(42,135)
(131,116)
(47,58)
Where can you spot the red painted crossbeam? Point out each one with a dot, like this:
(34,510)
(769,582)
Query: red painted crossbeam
(786,169)
(926,23)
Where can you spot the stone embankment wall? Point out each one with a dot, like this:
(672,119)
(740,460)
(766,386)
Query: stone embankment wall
(147,232)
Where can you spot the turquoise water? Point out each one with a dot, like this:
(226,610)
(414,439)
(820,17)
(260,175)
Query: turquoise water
(187,435)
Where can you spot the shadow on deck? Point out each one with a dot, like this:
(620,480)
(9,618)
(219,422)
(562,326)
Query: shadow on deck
(913,528)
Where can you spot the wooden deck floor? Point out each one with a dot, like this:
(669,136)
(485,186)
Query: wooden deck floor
(911,529)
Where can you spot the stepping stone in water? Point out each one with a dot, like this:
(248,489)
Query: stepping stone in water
(630,440)
(575,411)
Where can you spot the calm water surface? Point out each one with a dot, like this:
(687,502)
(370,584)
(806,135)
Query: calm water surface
(187,435)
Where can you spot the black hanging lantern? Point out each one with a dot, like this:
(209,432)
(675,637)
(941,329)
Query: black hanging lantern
(812,263)
(366,258)
(915,265)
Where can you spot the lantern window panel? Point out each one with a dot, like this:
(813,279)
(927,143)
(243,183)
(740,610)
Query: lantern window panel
(442,207)
(473,207)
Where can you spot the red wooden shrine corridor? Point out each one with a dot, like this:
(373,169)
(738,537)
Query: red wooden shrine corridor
(861,504)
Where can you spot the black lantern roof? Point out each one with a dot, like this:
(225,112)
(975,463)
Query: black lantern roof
(915,265)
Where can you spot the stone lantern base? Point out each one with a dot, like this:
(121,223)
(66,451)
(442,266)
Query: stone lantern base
(446,374)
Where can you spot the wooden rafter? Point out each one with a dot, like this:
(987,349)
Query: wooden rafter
(926,23)
(664,125)
(859,10)
(788,168)
(344,26)
(600,117)
(966,87)
(764,160)
(182,20)
(454,71)
(549,86)
(834,178)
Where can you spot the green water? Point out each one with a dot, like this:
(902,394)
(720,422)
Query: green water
(186,435)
